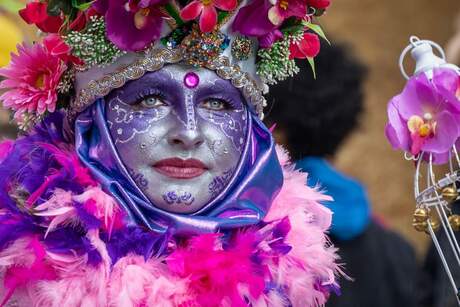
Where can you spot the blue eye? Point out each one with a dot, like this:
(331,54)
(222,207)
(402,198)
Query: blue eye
(215,104)
(153,101)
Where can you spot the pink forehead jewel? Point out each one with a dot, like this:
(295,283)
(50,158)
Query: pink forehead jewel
(191,80)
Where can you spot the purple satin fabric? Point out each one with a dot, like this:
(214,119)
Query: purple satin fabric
(245,201)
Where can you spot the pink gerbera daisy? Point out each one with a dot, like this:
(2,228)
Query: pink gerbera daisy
(31,79)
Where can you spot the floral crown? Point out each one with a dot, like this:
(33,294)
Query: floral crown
(91,47)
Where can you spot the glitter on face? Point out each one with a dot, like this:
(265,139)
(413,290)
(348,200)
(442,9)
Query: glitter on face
(191,80)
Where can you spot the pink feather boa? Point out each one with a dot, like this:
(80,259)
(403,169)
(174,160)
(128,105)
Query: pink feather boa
(305,271)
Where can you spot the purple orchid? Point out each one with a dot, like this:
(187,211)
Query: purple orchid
(252,20)
(426,115)
(144,21)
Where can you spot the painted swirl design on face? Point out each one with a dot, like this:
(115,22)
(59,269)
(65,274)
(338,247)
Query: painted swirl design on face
(173,198)
(129,122)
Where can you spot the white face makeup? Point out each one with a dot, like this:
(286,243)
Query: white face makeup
(180,133)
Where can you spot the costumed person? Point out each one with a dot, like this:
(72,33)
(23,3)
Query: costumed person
(313,118)
(145,176)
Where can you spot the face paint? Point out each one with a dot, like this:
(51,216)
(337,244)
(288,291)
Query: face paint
(219,183)
(172,198)
(179,132)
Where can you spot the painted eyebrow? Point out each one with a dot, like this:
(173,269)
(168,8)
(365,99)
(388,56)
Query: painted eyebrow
(218,88)
(156,80)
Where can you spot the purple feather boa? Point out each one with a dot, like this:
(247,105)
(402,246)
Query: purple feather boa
(48,198)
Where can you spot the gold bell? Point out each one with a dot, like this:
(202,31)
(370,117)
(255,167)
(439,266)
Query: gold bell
(421,214)
(449,193)
(420,226)
(454,221)
(434,225)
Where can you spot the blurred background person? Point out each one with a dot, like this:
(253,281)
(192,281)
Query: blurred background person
(314,117)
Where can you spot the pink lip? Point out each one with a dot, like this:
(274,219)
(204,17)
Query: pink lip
(180,169)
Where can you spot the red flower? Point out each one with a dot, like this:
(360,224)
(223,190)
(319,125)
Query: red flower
(319,4)
(35,13)
(207,9)
(79,22)
(57,47)
(308,47)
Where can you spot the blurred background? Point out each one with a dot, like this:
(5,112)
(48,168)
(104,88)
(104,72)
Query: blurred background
(377,31)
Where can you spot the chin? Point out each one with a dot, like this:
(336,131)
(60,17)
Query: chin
(182,209)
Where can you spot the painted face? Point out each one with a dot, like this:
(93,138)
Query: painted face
(180,132)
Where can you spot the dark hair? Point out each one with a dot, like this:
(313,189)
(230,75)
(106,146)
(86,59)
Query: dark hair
(316,115)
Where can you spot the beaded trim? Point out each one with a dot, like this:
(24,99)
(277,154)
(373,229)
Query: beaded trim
(154,60)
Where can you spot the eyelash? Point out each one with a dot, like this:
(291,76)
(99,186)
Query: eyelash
(228,101)
(147,93)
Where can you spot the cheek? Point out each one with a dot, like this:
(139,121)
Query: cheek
(222,148)
(143,147)
(231,126)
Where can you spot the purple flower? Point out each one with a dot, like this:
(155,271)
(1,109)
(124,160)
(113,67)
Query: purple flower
(252,20)
(132,24)
(426,115)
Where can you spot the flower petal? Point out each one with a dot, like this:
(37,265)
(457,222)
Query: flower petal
(101,6)
(252,20)
(34,12)
(408,103)
(208,19)
(396,130)
(270,38)
(192,10)
(447,79)
(226,5)
(125,35)
(445,136)
(308,47)
(274,15)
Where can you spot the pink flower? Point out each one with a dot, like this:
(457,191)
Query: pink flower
(32,79)
(207,9)
(426,115)
(284,9)
(308,47)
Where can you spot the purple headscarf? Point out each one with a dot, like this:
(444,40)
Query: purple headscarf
(245,201)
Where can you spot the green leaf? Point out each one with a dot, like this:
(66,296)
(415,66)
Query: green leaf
(82,6)
(312,65)
(174,13)
(12,6)
(317,29)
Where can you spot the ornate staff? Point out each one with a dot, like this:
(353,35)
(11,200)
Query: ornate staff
(424,122)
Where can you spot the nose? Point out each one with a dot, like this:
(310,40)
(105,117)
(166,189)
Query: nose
(186,139)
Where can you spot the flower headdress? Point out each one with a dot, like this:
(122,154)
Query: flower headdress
(92,47)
